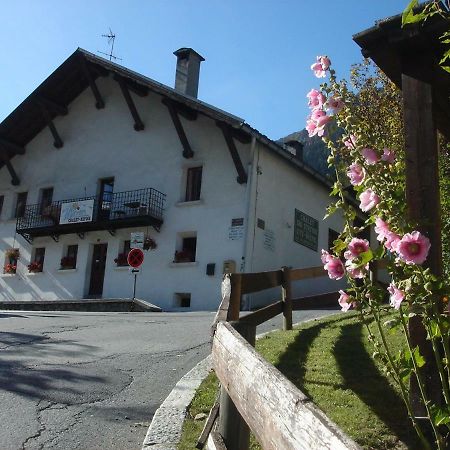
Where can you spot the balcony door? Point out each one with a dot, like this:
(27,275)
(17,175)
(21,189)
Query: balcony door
(105,198)
(98,270)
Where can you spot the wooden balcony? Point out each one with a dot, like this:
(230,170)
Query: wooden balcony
(142,207)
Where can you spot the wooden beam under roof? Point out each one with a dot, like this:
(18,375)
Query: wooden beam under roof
(57,141)
(187,150)
(138,89)
(99,103)
(138,124)
(15,180)
(227,132)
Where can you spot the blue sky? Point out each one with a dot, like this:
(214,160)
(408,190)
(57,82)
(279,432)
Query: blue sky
(257,52)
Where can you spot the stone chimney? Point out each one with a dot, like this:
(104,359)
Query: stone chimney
(188,71)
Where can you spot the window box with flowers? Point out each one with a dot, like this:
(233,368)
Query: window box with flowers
(10,269)
(35,267)
(121,260)
(68,262)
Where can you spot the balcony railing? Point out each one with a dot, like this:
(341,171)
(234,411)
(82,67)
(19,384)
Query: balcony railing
(109,212)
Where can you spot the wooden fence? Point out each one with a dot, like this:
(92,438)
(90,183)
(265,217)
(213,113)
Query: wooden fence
(254,395)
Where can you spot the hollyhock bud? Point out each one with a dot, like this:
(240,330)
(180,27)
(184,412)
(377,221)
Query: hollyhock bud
(356,247)
(396,296)
(356,174)
(370,156)
(345,301)
(388,156)
(334,105)
(368,200)
(413,248)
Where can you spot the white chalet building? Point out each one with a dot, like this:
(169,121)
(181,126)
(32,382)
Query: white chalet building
(98,152)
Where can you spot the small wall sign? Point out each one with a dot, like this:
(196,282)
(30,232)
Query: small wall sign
(137,239)
(236,231)
(306,230)
(269,240)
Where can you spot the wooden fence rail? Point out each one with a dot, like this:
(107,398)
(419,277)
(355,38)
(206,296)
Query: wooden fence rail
(280,416)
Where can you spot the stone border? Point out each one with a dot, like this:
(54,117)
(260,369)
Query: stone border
(164,432)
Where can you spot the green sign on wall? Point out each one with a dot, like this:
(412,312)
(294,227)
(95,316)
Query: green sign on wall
(306,230)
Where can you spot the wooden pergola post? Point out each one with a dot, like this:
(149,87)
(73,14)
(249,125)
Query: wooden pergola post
(422,195)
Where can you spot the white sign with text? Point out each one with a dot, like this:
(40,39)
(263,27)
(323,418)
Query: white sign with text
(76,212)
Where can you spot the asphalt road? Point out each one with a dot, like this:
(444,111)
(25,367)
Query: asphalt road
(94,380)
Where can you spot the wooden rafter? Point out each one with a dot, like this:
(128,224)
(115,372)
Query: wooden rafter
(57,141)
(99,103)
(228,135)
(138,89)
(138,124)
(187,150)
(15,180)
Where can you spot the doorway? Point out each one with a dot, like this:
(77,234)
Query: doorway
(98,270)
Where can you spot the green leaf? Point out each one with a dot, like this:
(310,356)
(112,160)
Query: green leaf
(339,245)
(440,415)
(418,358)
(365,257)
(408,15)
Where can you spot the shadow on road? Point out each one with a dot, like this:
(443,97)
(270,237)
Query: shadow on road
(18,376)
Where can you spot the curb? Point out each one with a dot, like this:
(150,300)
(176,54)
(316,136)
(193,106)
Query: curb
(164,432)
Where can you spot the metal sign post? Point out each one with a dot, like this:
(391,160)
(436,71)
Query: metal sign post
(135,259)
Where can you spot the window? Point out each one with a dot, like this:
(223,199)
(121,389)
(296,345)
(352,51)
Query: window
(69,261)
(2,200)
(332,236)
(37,264)
(106,197)
(46,199)
(187,250)
(193,183)
(21,204)
(183,300)
(121,259)
(365,234)
(11,257)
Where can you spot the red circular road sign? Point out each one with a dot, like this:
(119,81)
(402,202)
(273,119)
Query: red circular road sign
(135,257)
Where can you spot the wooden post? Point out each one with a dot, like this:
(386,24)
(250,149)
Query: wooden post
(232,427)
(235,298)
(422,195)
(286,297)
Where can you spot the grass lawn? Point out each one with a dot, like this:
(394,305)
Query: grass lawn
(330,361)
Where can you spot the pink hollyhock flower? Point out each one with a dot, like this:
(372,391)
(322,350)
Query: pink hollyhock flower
(396,296)
(311,128)
(316,114)
(333,266)
(382,229)
(392,240)
(370,156)
(354,271)
(323,120)
(351,141)
(413,248)
(334,105)
(368,200)
(320,66)
(316,98)
(356,174)
(388,156)
(356,247)
(345,301)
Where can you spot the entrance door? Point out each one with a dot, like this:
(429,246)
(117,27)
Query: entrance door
(98,269)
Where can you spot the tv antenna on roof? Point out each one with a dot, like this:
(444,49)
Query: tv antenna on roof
(111,37)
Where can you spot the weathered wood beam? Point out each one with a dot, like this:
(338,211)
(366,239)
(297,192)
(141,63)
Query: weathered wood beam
(422,196)
(50,105)
(227,134)
(185,111)
(187,150)
(241,136)
(15,180)
(99,103)
(138,124)
(11,147)
(57,141)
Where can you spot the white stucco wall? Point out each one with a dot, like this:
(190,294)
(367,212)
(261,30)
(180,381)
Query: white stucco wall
(278,188)
(100,144)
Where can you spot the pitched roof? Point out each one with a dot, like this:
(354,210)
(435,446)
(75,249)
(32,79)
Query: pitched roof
(69,80)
